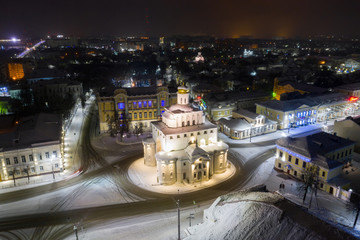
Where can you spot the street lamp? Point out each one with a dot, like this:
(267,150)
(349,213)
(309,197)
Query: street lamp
(76,233)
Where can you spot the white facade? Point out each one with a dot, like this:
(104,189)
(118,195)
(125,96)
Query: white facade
(185,144)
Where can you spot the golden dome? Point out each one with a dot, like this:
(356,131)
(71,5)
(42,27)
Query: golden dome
(183,90)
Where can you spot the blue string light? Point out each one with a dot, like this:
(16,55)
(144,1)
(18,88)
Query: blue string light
(294,154)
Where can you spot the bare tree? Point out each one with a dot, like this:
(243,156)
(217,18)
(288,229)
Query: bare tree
(353,205)
(26,170)
(309,179)
(12,173)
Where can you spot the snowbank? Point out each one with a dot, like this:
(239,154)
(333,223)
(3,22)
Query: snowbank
(258,214)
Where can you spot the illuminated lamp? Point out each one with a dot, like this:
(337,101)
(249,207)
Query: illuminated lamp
(353,99)
(198,97)
(274,94)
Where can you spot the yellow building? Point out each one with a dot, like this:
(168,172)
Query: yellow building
(327,152)
(16,71)
(308,110)
(141,105)
(281,87)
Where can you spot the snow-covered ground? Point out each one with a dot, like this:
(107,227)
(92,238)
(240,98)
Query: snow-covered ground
(145,177)
(254,214)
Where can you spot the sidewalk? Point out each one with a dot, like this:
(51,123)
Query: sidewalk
(146,178)
(324,205)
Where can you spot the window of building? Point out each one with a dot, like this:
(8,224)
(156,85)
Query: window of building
(150,103)
(296,161)
(41,168)
(163,175)
(56,165)
(205,132)
(33,169)
(163,103)
(280,153)
(192,134)
(7,161)
(278,116)
(338,155)
(16,160)
(145,115)
(140,115)
(323,173)
(184,164)
(54,153)
(346,152)
(129,105)
(304,165)
(121,105)
(321,185)
(295,173)
(150,114)
(135,104)
(40,156)
(211,131)
(198,133)
(47,155)
(279,165)
(23,159)
(145,103)
(289,158)
(140,104)
(178,136)
(17,172)
(342,154)
(135,115)
(31,158)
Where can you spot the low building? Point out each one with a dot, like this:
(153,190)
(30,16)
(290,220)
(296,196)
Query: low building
(307,110)
(141,105)
(349,128)
(352,90)
(282,87)
(246,124)
(63,88)
(31,146)
(184,147)
(328,153)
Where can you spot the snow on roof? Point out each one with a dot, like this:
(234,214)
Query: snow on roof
(170,156)
(178,108)
(315,144)
(247,113)
(289,105)
(35,129)
(194,152)
(237,124)
(258,214)
(170,131)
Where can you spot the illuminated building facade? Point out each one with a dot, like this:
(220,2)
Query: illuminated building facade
(328,153)
(246,125)
(141,105)
(184,147)
(32,145)
(16,71)
(308,110)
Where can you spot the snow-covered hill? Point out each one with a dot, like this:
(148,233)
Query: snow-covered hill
(258,214)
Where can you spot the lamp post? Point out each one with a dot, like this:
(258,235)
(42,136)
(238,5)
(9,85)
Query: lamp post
(178,211)
(251,126)
(76,233)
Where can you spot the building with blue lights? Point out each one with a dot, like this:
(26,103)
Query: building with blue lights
(329,153)
(307,110)
(142,105)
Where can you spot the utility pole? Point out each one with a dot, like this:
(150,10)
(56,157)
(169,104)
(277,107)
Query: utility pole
(76,233)
(178,210)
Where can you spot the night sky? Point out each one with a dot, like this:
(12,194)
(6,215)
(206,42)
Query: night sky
(225,18)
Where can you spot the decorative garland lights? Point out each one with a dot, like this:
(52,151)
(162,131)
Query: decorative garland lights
(293,154)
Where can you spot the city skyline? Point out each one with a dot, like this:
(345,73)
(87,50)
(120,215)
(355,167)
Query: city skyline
(164,18)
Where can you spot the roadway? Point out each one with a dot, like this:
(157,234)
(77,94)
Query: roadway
(59,223)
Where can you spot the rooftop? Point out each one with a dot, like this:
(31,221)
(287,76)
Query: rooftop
(170,131)
(36,129)
(351,86)
(314,145)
